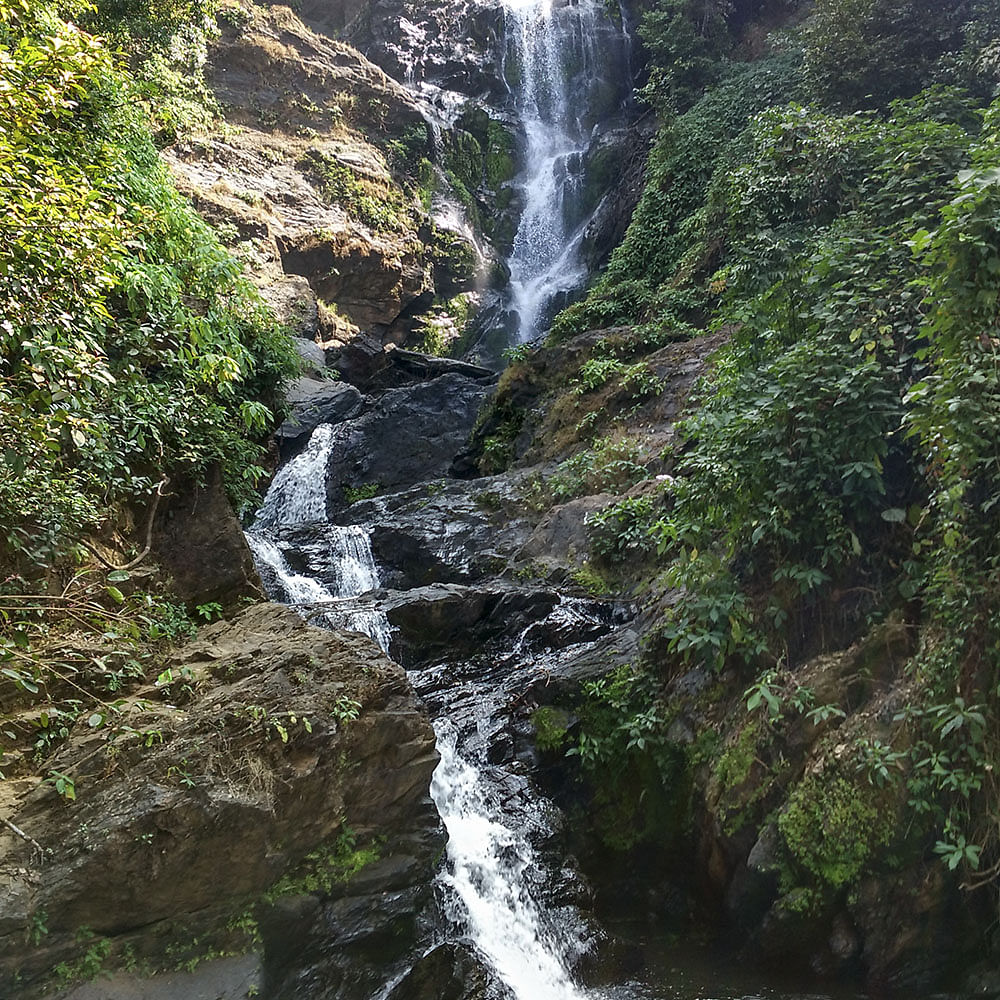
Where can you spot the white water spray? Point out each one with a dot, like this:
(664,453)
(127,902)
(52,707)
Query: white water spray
(296,497)
(557,55)
(487,889)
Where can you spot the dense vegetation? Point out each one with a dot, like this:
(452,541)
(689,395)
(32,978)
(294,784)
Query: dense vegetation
(134,358)
(829,195)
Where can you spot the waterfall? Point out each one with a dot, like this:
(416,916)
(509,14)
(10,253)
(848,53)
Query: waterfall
(555,60)
(486,887)
(298,497)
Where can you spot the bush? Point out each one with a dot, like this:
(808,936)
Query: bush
(132,348)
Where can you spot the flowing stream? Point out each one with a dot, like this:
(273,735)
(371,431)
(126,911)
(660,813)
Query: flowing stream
(486,884)
(558,58)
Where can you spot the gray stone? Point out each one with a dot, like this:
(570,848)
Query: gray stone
(313,402)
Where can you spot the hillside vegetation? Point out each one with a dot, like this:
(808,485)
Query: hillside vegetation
(134,360)
(824,191)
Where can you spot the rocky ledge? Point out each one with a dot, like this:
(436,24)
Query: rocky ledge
(270,787)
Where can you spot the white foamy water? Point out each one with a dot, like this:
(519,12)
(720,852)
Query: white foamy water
(559,60)
(486,886)
(298,496)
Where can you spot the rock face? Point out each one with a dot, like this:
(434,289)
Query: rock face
(275,781)
(317,401)
(410,434)
(199,544)
(316,185)
(450,972)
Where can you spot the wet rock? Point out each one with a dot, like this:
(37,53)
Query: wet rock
(561,543)
(313,402)
(450,972)
(233,792)
(410,435)
(312,358)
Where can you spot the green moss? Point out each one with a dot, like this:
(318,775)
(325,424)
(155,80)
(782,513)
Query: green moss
(832,827)
(500,163)
(365,491)
(551,727)
(591,581)
(734,765)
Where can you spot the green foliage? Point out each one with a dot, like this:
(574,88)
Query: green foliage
(640,780)
(638,283)
(865,53)
(95,952)
(622,530)
(611,463)
(551,727)
(327,868)
(365,491)
(833,827)
(130,341)
(378,206)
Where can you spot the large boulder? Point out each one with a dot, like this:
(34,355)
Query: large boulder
(411,435)
(275,781)
(313,402)
(198,542)
(450,972)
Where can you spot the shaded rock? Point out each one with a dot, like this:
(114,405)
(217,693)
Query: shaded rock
(410,435)
(371,279)
(294,305)
(198,541)
(561,543)
(232,793)
(426,366)
(312,402)
(313,357)
(450,972)
(358,361)
(220,979)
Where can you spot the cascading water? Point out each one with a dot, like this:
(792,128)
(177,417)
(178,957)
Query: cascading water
(298,496)
(485,886)
(558,55)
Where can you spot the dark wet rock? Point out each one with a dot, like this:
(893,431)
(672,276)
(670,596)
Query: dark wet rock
(410,435)
(313,402)
(198,543)
(457,621)
(360,361)
(312,358)
(426,366)
(450,972)
(219,806)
